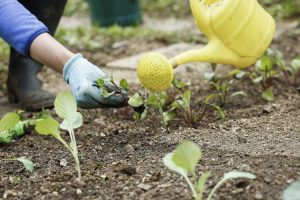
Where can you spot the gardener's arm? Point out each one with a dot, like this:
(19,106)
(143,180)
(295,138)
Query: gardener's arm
(25,33)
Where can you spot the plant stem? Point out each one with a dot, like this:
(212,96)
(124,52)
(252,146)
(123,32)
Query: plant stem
(75,152)
(214,190)
(161,112)
(192,187)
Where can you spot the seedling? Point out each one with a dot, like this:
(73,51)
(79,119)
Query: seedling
(292,192)
(264,72)
(291,72)
(221,86)
(208,103)
(158,101)
(138,104)
(184,105)
(184,161)
(66,108)
(26,163)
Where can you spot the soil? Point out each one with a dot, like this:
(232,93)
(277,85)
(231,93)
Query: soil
(122,159)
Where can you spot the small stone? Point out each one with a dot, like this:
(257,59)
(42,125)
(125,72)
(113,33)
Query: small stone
(8,193)
(55,193)
(258,196)
(63,162)
(78,191)
(145,187)
(237,191)
(63,190)
(129,148)
(267,179)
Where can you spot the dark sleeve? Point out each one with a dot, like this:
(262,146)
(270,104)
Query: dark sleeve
(18,27)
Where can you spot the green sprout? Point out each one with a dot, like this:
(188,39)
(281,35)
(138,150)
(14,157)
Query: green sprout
(184,161)
(29,166)
(184,105)
(66,108)
(222,87)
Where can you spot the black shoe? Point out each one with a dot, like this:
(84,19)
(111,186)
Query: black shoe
(25,88)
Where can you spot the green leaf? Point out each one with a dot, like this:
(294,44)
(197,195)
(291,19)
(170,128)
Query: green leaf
(9,121)
(268,95)
(187,97)
(257,79)
(72,123)
(65,105)
(229,176)
(218,109)
(152,100)
(209,76)
(201,182)
(238,174)
(168,116)
(48,126)
(100,83)
(135,101)
(292,192)
(295,65)
(27,163)
(187,156)
(239,93)
(124,84)
(168,161)
(179,84)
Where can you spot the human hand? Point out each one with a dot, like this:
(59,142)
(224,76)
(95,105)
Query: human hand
(82,75)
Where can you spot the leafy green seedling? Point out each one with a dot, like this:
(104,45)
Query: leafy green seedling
(221,86)
(101,85)
(124,84)
(291,71)
(184,161)
(158,101)
(208,103)
(292,192)
(137,103)
(184,105)
(66,108)
(27,163)
(264,72)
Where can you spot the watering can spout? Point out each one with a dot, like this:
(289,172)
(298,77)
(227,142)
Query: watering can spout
(238,32)
(214,52)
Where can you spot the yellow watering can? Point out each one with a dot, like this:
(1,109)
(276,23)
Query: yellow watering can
(238,32)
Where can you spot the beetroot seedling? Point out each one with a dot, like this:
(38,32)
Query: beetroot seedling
(184,161)
(66,108)
(184,105)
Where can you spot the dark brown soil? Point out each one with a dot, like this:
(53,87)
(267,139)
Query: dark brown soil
(122,159)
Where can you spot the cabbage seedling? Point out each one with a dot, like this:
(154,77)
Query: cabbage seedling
(184,161)
(292,192)
(66,108)
(26,163)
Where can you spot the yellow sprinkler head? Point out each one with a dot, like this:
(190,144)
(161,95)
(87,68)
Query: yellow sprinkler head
(155,72)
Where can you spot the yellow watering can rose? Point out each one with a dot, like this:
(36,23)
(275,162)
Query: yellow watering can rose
(238,32)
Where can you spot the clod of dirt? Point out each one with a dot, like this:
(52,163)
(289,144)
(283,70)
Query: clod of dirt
(125,168)
(145,187)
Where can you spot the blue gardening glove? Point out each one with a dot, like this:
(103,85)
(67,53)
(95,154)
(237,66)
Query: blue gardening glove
(82,75)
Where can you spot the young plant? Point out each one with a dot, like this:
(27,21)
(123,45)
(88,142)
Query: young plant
(26,163)
(184,161)
(184,105)
(208,103)
(158,101)
(291,72)
(292,192)
(66,108)
(222,86)
(139,107)
(264,72)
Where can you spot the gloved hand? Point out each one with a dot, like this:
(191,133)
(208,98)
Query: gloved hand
(82,75)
